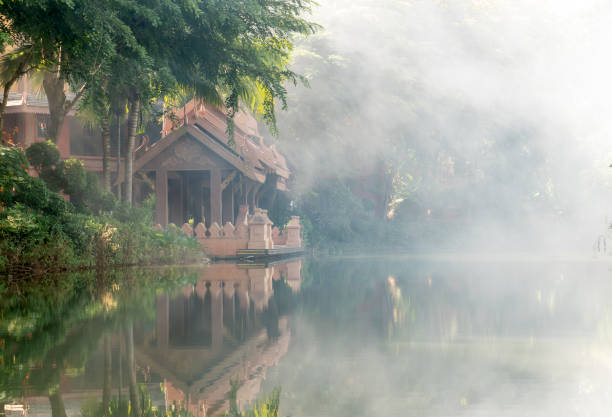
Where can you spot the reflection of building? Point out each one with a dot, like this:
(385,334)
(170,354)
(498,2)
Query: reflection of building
(248,363)
(221,328)
(211,333)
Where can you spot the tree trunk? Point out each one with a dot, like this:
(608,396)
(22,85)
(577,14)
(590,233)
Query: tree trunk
(129,155)
(134,393)
(118,119)
(5,94)
(54,90)
(106,150)
(106,390)
(57,404)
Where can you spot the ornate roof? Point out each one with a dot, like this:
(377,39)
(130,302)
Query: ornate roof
(247,141)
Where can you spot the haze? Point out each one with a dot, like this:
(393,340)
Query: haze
(508,100)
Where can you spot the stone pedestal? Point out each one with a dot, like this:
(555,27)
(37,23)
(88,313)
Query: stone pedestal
(293,232)
(260,230)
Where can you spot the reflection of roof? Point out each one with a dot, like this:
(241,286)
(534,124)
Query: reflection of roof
(247,362)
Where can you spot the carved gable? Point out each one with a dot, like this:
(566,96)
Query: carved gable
(186,154)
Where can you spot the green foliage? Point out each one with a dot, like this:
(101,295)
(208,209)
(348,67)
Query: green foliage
(122,408)
(56,322)
(70,177)
(222,52)
(267,406)
(30,235)
(333,216)
(41,232)
(43,155)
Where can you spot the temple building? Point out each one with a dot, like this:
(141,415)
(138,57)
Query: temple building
(198,174)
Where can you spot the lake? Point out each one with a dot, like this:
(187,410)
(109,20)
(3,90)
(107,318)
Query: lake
(345,336)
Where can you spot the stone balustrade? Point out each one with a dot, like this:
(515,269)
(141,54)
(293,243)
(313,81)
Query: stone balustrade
(250,232)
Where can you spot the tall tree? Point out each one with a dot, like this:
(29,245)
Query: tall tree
(72,40)
(227,53)
(132,127)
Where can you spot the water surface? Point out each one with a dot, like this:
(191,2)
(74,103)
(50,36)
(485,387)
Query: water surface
(391,336)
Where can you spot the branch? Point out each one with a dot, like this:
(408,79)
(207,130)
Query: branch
(70,103)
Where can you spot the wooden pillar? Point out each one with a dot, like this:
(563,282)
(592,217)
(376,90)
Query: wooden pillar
(253,196)
(246,189)
(137,192)
(198,199)
(228,204)
(236,197)
(181,202)
(216,203)
(163,319)
(250,192)
(161,197)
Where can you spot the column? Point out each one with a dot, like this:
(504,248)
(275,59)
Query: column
(198,198)
(228,204)
(216,203)
(161,197)
(181,204)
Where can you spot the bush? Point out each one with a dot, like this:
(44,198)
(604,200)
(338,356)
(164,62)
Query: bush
(41,232)
(43,155)
(71,178)
(332,216)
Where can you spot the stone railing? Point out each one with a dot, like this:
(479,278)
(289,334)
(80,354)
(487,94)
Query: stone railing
(290,235)
(250,232)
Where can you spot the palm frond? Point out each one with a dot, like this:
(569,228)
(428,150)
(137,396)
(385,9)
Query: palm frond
(19,61)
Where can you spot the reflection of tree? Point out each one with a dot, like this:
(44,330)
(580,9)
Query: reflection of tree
(280,304)
(133,385)
(57,403)
(54,329)
(106,390)
(267,406)
(72,352)
(101,315)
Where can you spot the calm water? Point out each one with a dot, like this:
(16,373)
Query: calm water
(386,336)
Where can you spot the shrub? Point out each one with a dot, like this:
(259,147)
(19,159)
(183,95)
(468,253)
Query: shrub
(41,232)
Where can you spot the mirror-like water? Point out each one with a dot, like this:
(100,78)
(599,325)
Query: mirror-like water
(366,336)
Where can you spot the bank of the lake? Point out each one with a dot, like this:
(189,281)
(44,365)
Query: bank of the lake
(42,232)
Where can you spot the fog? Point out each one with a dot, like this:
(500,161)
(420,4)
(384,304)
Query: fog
(488,339)
(495,110)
